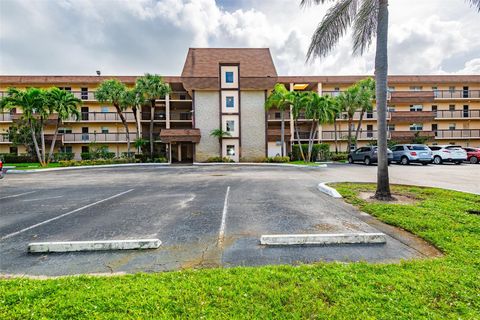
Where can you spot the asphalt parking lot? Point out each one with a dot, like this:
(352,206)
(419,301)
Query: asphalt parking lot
(184,207)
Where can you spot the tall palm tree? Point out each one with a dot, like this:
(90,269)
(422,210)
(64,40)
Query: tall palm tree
(298,101)
(366,95)
(278,100)
(34,112)
(132,98)
(349,102)
(152,88)
(65,105)
(369,19)
(219,134)
(113,91)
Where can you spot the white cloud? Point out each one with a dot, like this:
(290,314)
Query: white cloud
(136,36)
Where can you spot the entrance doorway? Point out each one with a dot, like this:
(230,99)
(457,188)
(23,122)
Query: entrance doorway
(182,152)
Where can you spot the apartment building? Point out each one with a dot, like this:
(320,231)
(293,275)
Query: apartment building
(227,88)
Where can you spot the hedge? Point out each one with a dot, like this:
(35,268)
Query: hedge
(14,158)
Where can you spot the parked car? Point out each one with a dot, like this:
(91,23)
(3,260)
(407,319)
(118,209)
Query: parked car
(473,154)
(367,155)
(448,153)
(409,153)
(1,169)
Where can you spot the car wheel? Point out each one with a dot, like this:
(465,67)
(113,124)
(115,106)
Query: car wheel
(350,159)
(473,160)
(424,163)
(437,160)
(367,161)
(458,162)
(404,161)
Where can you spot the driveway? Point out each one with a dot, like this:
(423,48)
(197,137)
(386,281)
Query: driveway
(204,216)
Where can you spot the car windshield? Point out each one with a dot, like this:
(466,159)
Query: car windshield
(417,147)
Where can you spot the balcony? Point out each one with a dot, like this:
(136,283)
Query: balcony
(180,116)
(458,134)
(157,116)
(277,115)
(343,135)
(412,116)
(408,136)
(457,114)
(367,116)
(5,117)
(411,96)
(102,117)
(4,138)
(457,94)
(114,137)
(275,134)
(305,135)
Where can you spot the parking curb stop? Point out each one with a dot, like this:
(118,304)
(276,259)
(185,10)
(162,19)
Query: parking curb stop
(322,187)
(323,239)
(103,245)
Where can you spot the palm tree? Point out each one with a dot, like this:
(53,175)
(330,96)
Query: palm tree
(369,19)
(65,105)
(113,91)
(152,88)
(34,112)
(366,96)
(219,134)
(278,100)
(298,101)
(133,99)
(349,103)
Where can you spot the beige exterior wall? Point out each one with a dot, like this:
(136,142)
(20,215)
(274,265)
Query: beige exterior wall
(207,119)
(253,125)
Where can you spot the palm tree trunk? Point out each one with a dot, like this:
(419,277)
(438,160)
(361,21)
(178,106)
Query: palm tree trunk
(335,133)
(137,126)
(35,143)
(349,146)
(381,72)
(282,133)
(152,114)
(125,124)
(310,141)
(52,146)
(42,139)
(359,124)
(298,140)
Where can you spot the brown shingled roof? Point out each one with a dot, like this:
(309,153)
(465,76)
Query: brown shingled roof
(254,62)
(56,80)
(392,79)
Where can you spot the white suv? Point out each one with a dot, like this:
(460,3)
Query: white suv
(448,153)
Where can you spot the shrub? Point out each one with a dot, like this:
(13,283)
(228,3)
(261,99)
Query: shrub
(86,156)
(75,163)
(13,158)
(320,152)
(339,156)
(277,159)
(219,159)
(128,154)
(160,160)
(63,156)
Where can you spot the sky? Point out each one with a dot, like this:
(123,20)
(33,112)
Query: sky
(132,37)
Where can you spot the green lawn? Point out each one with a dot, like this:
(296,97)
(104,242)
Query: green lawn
(300,162)
(30,166)
(441,288)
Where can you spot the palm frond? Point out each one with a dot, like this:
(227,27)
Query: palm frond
(473,3)
(332,28)
(305,3)
(365,26)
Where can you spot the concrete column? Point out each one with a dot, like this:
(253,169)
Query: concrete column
(167,110)
(179,148)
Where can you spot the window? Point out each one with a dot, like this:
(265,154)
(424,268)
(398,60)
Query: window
(13,150)
(415,88)
(417,147)
(230,150)
(451,89)
(391,109)
(66,149)
(451,126)
(104,129)
(435,108)
(391,127)
(416,127)
(451,107)
(64,130)
(84,93)
(229,77)
(369,115)
(230,125)
(85,149)
(416,107)
(398,148)
(391,89)
(230,102)
(104,109)
(183,97)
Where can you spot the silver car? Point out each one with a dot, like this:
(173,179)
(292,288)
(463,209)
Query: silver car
(408,153)
(367,155)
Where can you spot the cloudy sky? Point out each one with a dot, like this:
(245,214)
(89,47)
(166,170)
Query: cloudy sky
(131,37)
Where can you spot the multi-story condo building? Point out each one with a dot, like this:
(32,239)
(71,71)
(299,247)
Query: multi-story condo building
(227,88)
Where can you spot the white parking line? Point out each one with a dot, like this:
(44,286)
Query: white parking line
(37,199)
(17,195)
(64,215)
(221,233)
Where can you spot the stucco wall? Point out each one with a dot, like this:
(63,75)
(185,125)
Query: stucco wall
(253,125)
(206,119)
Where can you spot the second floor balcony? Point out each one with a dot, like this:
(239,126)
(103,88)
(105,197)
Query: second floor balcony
(5,117)
(458,134)
(457,94)
(457,114)
(343,135)
(111,137)
(102,117)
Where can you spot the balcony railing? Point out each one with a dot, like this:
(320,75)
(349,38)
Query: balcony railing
(457,94)
(156,116)
(343,135)
(277,115)
(458,134)
(102,117)
(305,135)
(181,115)
(97,137)
(450,114)
(5,117)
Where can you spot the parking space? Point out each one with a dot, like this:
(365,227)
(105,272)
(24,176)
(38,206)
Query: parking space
(204,216)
